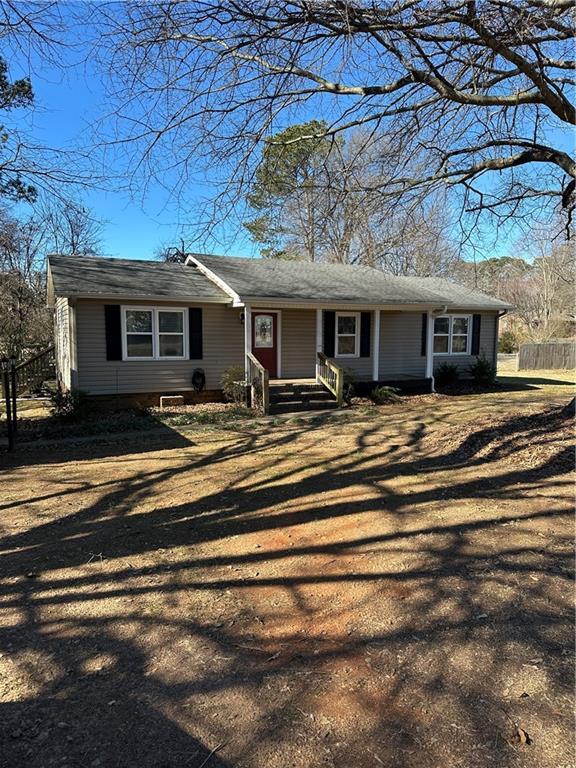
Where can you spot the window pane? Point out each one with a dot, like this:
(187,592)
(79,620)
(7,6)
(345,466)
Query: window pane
(441,325)
(440,343)
(460,325)
(139,345)
(171,346)
(459,343)
(263,331)
(346,345)
(347,324)
(170,322)
(138,321)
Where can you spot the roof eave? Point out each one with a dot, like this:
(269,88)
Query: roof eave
(142,297)
(274,301)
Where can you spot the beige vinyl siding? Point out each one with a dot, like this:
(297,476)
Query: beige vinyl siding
(487,338)
(400,345)
(298,349)
(360,368)
(62,341)
(223,346)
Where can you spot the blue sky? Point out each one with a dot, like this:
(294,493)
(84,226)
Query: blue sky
(68,102)
(66,106)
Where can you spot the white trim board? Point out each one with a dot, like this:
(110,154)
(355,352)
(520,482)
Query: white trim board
(222,284)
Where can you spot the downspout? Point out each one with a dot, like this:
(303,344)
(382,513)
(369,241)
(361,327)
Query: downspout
(499,314)
(430,345)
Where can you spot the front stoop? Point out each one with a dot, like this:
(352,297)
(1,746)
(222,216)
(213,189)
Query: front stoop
(293,397)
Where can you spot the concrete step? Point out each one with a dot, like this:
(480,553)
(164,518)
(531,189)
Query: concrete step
(294,397)
(283,397)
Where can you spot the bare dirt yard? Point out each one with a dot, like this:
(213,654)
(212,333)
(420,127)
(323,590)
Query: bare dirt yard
(384,587)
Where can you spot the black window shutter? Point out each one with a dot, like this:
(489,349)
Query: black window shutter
(476,319)
(195,333)
(424,336)
(365,326)
(329,331)
(113,329)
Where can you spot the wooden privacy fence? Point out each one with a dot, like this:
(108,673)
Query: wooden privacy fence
(548,355)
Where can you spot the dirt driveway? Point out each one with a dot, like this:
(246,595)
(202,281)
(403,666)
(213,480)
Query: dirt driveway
(388,589)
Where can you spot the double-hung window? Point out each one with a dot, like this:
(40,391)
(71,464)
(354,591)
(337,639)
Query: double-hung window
(150,333)
(452,335)
(347,334)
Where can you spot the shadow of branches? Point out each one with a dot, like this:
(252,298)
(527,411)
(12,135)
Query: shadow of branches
(311,596)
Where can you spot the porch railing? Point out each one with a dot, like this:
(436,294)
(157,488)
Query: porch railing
(32,373)
(259,385)
(331,375)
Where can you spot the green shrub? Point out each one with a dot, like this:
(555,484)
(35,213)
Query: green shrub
(446,374)
(508,343)
(383,395)
(233,385)
(482,371)
(72,405)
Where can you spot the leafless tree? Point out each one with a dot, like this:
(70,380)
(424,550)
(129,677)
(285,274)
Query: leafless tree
(70,227)
(25,320)
(538,281)
(323,204)
(33,35)
(473,94)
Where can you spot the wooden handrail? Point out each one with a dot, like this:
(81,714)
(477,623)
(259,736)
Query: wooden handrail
(32,373)
(258,381)
(32,359)
(331,375)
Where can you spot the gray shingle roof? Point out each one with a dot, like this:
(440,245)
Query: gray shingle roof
(255,279)
(306,281)
(88,276)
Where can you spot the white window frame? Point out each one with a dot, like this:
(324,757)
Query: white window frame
(356,352)
(155,333)
(451,319)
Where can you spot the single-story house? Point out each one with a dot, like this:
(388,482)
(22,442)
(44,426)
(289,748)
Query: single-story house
(136,330)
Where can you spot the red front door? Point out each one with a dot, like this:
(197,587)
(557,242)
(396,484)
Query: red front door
(265,340)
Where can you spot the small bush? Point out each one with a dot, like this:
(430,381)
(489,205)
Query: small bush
(72,405)
(233,385)
(446,374)
(508,343)
(482,371)
(384,395)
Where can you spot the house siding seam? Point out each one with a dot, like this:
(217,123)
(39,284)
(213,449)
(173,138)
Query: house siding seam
(223,337)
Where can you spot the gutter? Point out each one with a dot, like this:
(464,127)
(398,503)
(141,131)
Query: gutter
(142,297)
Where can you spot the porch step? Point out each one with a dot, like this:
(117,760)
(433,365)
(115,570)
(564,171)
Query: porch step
(294,397)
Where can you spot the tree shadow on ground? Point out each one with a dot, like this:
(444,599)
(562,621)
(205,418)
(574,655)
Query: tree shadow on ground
(519,382)
(303,602)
